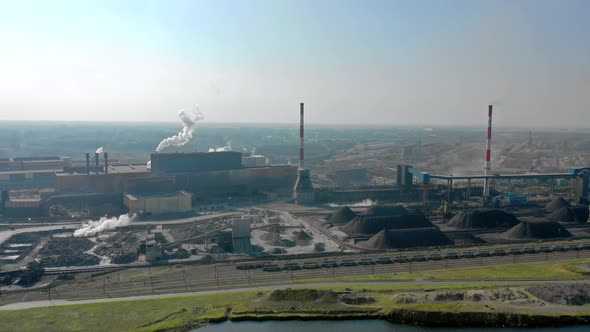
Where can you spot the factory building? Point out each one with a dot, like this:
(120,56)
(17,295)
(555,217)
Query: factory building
(34,163)
(113,182)
(254,161)
(241,236)
(177,202)
(172,163)
(28,178)
(243,182)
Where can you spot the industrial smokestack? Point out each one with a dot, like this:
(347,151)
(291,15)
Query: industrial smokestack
(486,187)
(96,158)
(88,163)
(301,154)
(106,163)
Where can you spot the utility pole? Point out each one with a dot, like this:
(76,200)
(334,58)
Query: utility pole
(184,277)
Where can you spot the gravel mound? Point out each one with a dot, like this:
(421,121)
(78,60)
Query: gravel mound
(407,238)
(342,215)
(575,214)
(556,204)
(372,225)
(537,230)
(302,295)
(570,294)
(385,210)
(483,218)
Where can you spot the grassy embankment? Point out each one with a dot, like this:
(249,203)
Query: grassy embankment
(181,313)
(553,270)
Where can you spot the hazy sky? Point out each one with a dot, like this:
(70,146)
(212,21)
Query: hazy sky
(384,62)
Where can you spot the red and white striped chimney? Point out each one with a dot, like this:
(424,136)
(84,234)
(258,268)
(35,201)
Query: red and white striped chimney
(486,189)
(301,154)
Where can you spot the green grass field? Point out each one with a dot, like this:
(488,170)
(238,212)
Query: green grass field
(554,270)
(180,313)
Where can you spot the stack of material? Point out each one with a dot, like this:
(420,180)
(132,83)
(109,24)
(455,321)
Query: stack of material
(574,214)
(483,218)
(385,210)
(407,238)
(342,215)
(556,204)
(373,225)
(537,230)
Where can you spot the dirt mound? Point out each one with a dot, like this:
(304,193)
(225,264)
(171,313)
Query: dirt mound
(576,214)
(342,215)
(372,225)
(302,237)
(407,238)
(302,295)
(537,230)
(483,218)
(355,300)
(385,210)
(556,204)
(67,246)
(572,294)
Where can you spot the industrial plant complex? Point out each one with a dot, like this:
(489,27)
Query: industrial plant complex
(92,213)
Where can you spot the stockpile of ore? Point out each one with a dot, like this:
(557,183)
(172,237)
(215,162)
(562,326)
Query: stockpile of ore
(556,204)
(483,218)
(573,214)
(378,218)
(407,238)
(385,210)
(537,230)
(342,215)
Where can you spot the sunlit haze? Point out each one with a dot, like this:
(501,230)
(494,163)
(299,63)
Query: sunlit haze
(351,62)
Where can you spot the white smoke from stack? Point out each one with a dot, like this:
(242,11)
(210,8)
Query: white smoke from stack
(100,150)
(189,123)
(93,227)
(227,147)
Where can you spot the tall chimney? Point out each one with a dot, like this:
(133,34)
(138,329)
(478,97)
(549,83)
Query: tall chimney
(96,157)
(88,163)
(106,163)
(301,154)
(486,187)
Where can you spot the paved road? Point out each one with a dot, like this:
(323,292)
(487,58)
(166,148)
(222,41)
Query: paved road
(38,304)
(5,235)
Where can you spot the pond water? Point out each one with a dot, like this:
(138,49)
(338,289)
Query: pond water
(357,326)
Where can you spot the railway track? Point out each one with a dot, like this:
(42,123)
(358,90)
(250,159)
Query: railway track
(189,278)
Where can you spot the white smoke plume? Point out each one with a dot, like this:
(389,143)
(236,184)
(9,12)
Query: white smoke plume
(227,147)
(100,150)
(189,124)
(94,227)
(366,202)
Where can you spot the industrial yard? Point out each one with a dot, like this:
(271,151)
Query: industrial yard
(187,221)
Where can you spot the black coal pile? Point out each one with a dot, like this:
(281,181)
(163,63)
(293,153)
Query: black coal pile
(372,225)
(407,238)
(556,204)
(483,218)
(573,214)
(70,251)
(537,230)
(385,210)
(342,215)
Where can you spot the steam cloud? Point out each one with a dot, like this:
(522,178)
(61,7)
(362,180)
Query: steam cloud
(93,227)
(221,149)
(100,150)
(189,123)
(366,202)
